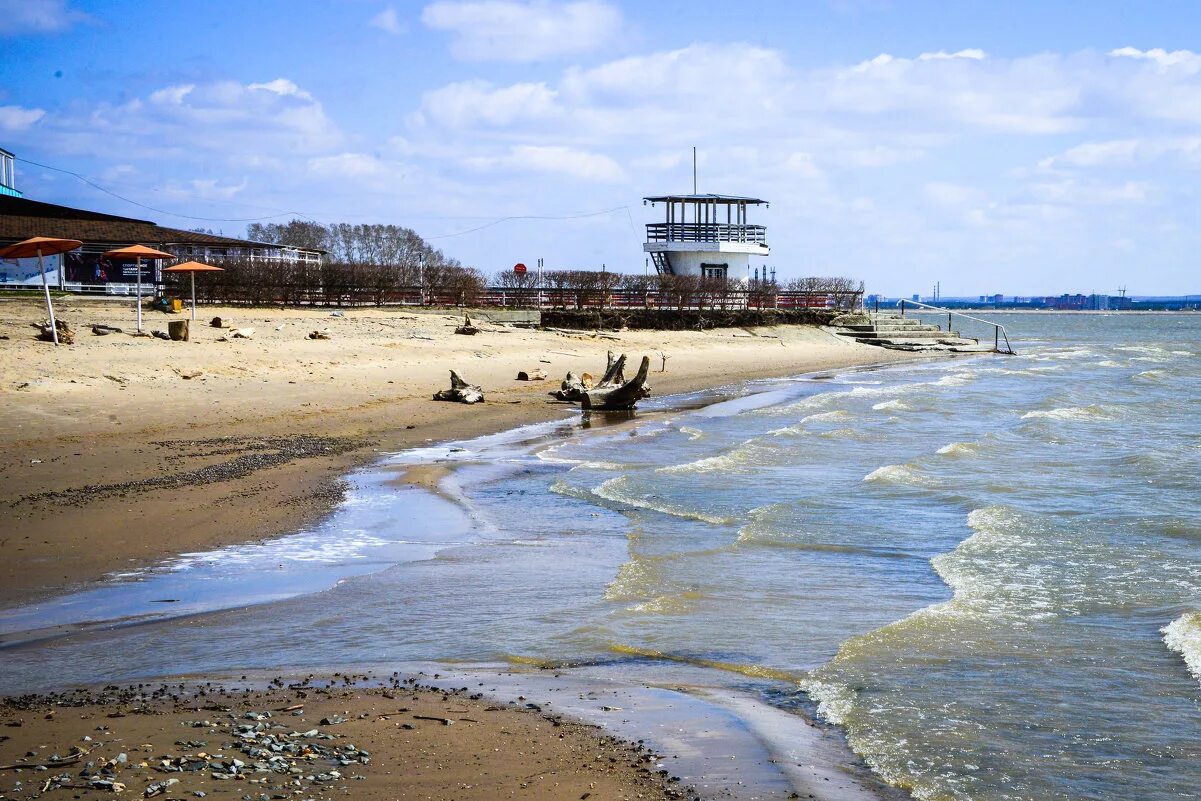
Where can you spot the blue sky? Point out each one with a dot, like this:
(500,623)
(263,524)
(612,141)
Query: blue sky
(1018,147)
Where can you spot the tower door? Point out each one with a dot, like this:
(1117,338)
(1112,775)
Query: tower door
(714,270)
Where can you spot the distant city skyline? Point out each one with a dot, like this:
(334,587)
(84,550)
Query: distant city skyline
(1050,146)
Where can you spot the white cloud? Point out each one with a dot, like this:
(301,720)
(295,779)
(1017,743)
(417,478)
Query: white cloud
(507,30)
(38,16)
(17,118)
(1186,60)
(553,159)
(172,95)
(1075,193)
(388,21)
(1127,153)
(1027,95)
(460,105)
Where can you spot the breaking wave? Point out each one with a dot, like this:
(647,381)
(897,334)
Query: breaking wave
(1183,635)
(959,449)
(618,490)
(1091,412)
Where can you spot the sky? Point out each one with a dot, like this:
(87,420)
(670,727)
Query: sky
(1015,147)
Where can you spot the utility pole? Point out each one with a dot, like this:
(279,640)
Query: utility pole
(694,170)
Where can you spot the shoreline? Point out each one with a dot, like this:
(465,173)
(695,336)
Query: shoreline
(115,459)
(827,768)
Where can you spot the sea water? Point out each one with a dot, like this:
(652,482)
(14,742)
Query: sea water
(986,571)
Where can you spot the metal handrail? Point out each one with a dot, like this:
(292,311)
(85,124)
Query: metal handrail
(705,232)
(998,329)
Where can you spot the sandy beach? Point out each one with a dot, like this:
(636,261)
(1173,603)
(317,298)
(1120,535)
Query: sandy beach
(313,738)
(120,451)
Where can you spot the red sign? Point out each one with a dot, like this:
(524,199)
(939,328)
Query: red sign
(519,267)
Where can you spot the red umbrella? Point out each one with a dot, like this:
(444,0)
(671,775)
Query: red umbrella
(193,267)
(42,246)
(139,252)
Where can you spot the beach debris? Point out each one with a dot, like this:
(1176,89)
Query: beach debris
(241,333)
(159,787)
(317,335)
(337,314)
(663,365)
(537,374)
(187,375)
(160,334)
(467,327)
(571,389)
(46,334)
(615,396)
(216,322)
(460,391)
(178,330)
(105,330)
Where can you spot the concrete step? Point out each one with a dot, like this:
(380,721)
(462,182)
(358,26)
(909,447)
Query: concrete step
(908,334)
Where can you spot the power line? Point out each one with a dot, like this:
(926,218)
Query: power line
(500,220)
(106,191)
(490,224)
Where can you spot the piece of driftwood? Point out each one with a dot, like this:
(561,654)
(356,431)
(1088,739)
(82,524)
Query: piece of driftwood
(621,397)
(614,370)
(537,374)
(467,328)
(572,389)
(104,330)
(66,336)
(317,335)
(460,391)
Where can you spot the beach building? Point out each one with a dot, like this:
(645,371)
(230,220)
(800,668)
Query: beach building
(8,174)
(705,235)
(87,269)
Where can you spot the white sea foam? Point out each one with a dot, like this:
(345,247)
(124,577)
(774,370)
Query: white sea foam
(959,449)
(617,489)
(836,416)
(895,474)
(1091,412)
(692,433)
(1183,635)
(892,406)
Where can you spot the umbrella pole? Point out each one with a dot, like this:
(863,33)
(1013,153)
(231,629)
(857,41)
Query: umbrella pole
(193,296)
(49,305)
(138,264)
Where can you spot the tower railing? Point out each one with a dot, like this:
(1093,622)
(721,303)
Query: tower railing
(706,232)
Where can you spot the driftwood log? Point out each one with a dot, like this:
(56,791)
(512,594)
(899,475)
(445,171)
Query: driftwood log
(66,335)
(467,327)
(621,396)
(537,374)
(460,391)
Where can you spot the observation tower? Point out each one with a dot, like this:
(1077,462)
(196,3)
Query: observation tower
(705,235)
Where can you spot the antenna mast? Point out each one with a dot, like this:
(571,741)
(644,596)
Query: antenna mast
(694,170)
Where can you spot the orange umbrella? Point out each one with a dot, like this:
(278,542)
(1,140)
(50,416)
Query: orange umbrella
(139,252)
(193,267)
(42,246)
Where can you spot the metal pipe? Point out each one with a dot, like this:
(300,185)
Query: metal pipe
(46,289)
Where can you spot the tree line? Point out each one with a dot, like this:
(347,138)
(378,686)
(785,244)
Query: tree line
(380,264)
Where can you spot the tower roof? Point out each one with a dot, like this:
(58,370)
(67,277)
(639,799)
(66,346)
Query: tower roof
(705,198)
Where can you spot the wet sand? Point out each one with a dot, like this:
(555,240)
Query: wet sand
(314,739)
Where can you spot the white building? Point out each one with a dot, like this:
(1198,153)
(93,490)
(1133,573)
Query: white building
(705,235)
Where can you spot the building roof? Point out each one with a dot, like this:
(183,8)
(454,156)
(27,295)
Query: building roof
(753,201)
(21,218)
